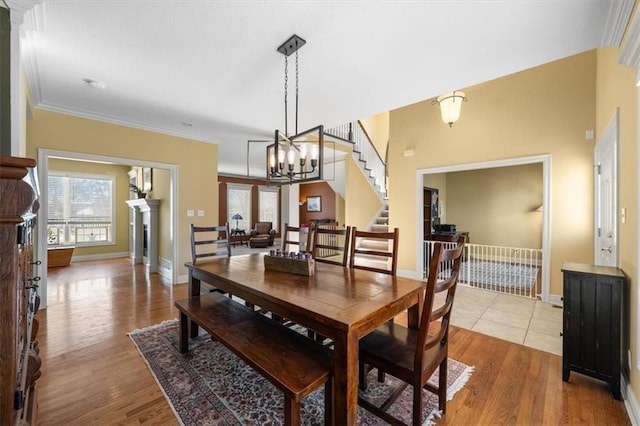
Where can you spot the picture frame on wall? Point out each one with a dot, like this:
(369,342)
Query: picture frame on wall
(146,179)
(314,203)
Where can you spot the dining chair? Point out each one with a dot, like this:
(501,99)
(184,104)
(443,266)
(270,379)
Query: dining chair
(332,245)
(288,239)
(374,251)
(413,355)
(210,242)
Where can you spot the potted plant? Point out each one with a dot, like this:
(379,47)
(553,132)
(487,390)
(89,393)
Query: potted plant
(139,192)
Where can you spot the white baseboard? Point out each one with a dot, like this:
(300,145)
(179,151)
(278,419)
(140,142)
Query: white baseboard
(409,274)
(630,401)
(99,256)
(555,299)
(183,279)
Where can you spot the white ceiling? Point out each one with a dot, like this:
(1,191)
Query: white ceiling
(214,63)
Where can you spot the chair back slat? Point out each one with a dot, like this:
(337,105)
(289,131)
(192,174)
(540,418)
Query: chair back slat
(332,245)
(203,243)
(368,258)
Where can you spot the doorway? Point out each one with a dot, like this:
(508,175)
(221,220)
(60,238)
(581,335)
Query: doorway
(605,179)
(545,160)
(43,171)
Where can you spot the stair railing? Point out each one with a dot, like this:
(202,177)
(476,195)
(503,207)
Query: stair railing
(371,161)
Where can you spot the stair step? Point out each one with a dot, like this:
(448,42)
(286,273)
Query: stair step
(380,227)
(384,213)
(373,244)
(382,220)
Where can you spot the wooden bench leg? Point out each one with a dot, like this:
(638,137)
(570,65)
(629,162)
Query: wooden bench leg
(184,333)
(328,403)
(291,412)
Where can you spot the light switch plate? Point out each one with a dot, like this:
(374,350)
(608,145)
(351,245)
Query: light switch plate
(189,212)
(200,212)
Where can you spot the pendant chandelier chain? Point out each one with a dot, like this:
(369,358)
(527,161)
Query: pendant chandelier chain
(296,92)
(286,86)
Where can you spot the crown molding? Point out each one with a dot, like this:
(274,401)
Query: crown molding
(19,8)
(630,50)
(120,122)
(616,23)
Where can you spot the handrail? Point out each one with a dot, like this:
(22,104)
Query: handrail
(374,165)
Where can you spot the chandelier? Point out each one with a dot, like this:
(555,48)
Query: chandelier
(299,157)
(450,106)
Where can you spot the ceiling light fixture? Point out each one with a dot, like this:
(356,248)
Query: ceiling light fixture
(450,106)
(302,151)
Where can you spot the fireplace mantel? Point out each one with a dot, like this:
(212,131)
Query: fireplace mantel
(144,245)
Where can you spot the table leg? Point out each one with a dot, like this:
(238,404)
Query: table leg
(345,376)
(414,312)
(194,291)
(184,333)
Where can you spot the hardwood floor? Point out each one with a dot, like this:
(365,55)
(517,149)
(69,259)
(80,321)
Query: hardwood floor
(93,374)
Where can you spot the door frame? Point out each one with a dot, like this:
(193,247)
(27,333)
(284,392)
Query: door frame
(43,170)
(610,135)
(545,160)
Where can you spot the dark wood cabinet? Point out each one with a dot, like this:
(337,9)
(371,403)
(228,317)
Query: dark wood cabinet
(19,354)
(592,322)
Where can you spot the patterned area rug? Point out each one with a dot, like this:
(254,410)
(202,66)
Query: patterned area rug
(211,386)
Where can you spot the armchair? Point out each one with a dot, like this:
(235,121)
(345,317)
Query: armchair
(263,229)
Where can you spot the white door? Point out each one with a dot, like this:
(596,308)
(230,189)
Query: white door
(606,196)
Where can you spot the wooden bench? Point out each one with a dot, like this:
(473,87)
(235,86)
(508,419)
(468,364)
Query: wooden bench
(292,362)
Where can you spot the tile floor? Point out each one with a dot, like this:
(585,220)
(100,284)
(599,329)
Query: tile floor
(517,319)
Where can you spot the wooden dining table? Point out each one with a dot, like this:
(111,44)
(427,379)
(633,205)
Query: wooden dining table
(341,303)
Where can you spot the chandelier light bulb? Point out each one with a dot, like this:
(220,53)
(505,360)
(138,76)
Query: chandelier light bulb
(303,151)
(314,152)
(281,155)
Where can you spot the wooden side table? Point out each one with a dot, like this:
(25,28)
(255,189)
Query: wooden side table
(241,235)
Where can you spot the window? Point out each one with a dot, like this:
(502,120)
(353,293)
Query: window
(80,209)
(268,205)
(239,202)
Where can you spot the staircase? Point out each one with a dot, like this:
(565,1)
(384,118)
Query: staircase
(364,152)
(381,224)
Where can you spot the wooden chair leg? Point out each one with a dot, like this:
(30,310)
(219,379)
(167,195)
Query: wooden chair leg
(291,412)
(417,405)
(442,386)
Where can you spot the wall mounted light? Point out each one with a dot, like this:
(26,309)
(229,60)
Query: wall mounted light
(450,106)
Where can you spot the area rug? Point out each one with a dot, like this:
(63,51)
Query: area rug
(501,274)
(211,386)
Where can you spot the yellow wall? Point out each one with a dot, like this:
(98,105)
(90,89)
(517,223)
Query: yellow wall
(544,110)
(615,88)
(497,206)
(377,127)
(121,231)
(362,203)
(197,162)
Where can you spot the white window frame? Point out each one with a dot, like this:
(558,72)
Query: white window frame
(245,218)
(263,188)
(111,178)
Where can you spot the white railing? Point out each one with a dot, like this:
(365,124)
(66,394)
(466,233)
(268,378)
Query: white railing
(371,161)
(511,270)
